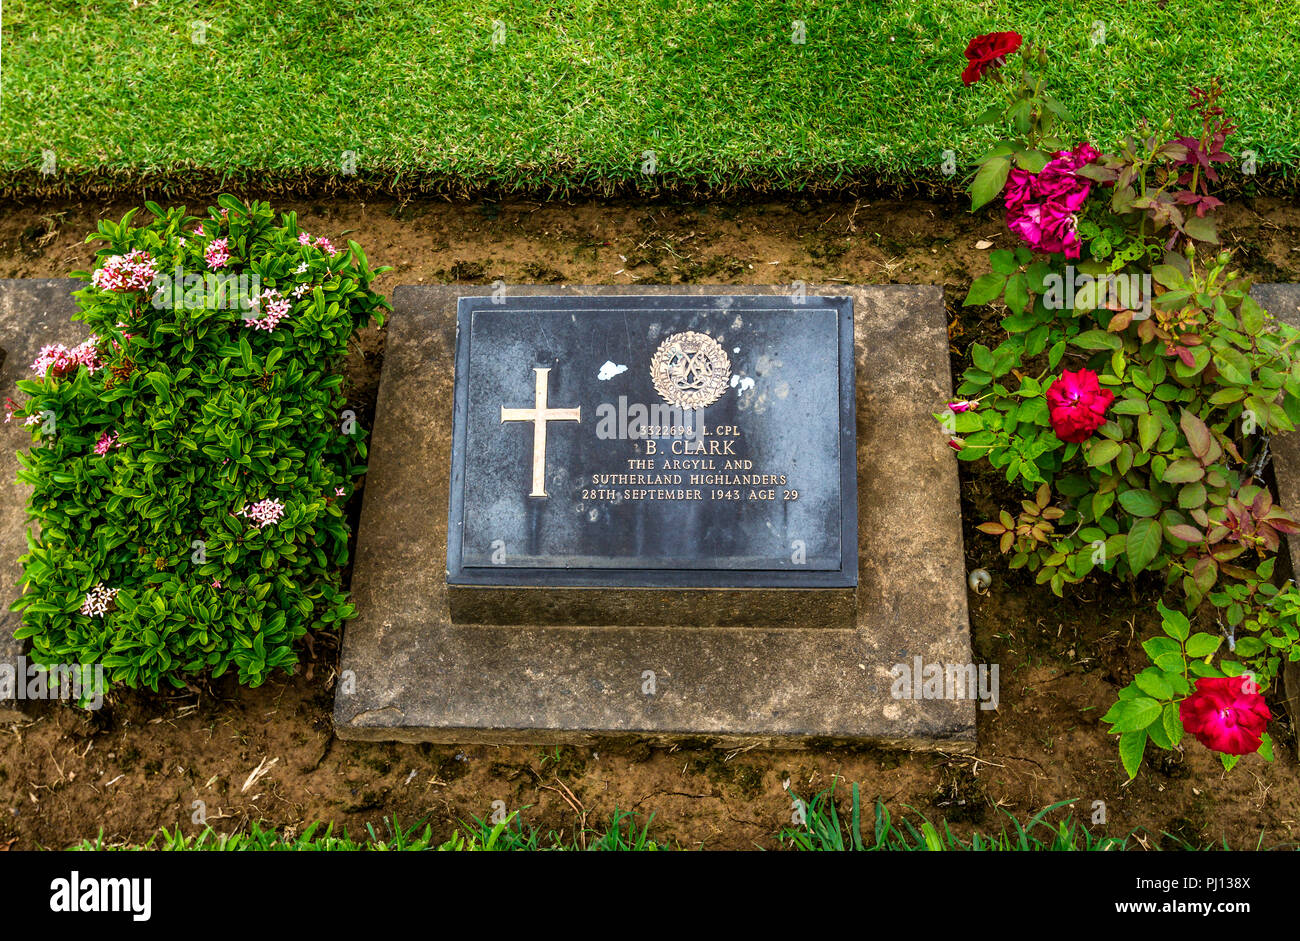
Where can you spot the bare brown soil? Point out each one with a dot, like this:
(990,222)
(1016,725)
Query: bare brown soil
(143,760)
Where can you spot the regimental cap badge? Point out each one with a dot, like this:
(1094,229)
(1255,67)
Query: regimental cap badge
(690,370)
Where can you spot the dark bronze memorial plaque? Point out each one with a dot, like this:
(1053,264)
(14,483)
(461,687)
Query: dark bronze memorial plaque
(653,460)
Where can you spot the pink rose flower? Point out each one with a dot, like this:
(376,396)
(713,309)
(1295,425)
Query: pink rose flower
(1040,207)
(1077,404)
(1225,714)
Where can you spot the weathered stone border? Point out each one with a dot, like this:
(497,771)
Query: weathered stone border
(1283,302)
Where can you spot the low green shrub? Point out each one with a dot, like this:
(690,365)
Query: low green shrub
(192,458)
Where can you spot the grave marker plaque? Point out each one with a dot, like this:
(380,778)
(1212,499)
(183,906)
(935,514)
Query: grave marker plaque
(652,460)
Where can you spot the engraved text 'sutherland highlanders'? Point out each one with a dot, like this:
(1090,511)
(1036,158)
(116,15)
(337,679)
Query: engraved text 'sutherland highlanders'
(690,370)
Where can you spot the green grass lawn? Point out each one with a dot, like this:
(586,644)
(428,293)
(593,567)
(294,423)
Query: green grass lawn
(578,90)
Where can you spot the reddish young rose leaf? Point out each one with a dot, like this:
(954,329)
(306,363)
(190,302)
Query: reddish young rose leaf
(1186,532)
(1198,433)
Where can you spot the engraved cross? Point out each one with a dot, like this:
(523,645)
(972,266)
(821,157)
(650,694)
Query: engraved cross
(539,415)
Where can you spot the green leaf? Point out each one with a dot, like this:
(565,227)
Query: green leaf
(1132,746)
(989,181)
(981,357)
(1139,502)
(1158,646)
(1098,340)
(1101,451)
(1202,645)
(1252,316)
(1144,541)
(1227,396)
(1003,261)
(1168,276)
(985,289)
(1202,229)
(1171,662)
(1149,428)
(1017,296)
(1191,496)
(1233,366)
(1153,684)
(1135,713)
(1183,471)
(1131,407)
(1173,724)
(1174,623)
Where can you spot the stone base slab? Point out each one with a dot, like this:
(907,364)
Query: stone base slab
(408,673)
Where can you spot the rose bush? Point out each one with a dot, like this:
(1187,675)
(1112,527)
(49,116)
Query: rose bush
(1136,389)
(191,459)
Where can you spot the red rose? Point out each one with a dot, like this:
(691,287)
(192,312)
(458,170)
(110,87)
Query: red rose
(1077,404)
(1226,714)
(988,52)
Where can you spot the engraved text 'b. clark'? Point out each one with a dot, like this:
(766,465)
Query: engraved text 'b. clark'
(539,415)
(683,446)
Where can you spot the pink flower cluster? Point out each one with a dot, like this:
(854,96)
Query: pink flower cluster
(264,512)
(11,406)
(217,254)
(324,244)
(106,440)
(277,308)
(1041,206)
(58,360)
(97,601)
(133,272)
